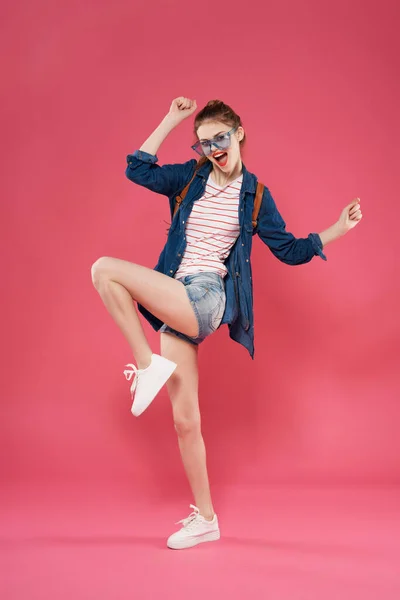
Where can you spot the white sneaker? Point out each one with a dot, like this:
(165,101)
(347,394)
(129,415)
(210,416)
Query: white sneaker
(148,382)
(196,529)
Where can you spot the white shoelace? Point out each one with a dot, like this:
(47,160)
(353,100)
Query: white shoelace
(191,518)
(132,372)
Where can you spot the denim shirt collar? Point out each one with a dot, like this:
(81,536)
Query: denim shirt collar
(249,180)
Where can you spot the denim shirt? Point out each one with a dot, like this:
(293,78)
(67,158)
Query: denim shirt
(170,180)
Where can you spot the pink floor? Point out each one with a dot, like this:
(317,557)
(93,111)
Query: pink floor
(279,543)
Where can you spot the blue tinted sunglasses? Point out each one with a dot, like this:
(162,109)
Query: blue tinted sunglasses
(221,142)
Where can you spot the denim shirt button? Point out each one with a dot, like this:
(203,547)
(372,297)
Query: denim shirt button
(247,260)
(179,254)
(171,271)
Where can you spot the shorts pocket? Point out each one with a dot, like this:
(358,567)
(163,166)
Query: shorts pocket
(215,316)
(197,293)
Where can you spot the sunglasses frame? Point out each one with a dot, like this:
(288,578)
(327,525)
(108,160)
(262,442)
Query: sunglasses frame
(198,148)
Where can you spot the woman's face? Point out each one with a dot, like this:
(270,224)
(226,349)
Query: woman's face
(227,158)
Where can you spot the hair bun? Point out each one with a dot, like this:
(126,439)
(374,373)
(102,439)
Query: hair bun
(214,103)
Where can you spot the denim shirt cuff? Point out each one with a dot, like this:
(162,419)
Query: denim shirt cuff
(317,245)
(143,156)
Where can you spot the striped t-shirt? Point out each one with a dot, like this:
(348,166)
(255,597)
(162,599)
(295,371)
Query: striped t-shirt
(211,229)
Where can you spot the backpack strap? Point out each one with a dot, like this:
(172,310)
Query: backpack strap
(180,197)
(257,202)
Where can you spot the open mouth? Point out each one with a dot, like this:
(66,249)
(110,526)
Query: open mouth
(221,158)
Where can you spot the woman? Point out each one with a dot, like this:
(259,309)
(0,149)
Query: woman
(202,279)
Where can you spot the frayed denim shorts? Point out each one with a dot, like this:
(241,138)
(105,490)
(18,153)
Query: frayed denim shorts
(206,292)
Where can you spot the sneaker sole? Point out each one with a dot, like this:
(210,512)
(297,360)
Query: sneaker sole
(213,536)
(158,384)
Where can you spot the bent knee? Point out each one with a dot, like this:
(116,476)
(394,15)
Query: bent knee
(186,424)
(99,270)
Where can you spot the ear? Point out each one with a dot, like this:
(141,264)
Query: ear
(240,133)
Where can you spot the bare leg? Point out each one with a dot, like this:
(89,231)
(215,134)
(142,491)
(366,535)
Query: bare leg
(183,391)
(119,281)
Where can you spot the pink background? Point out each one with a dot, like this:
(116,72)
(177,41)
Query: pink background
(317,86)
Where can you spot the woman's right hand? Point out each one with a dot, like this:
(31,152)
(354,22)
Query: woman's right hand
(181,108)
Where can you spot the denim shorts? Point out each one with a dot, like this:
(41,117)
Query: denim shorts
(206,292)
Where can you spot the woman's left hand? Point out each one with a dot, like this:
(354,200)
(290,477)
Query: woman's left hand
(350,216)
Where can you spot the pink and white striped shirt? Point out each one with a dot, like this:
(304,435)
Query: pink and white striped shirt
(211,229)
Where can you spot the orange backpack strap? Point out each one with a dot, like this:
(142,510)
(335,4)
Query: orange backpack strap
(180,197)
(257,202)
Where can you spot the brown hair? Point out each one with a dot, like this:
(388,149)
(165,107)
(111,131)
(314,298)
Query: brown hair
(216,110)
